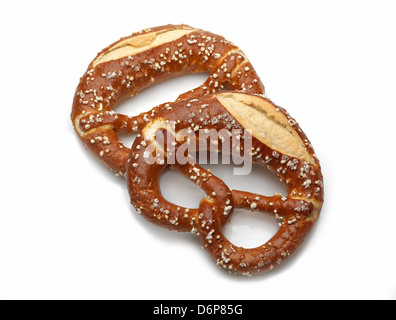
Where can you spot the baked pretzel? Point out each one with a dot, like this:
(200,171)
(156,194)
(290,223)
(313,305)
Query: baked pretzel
(277,143)
(139,61)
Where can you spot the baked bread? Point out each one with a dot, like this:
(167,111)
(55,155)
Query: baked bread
(139,61)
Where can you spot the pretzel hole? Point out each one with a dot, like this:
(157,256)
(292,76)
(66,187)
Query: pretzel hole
(128,140)
(250,229)
(161,93)
(178,190)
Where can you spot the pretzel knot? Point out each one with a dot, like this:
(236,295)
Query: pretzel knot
(274,140)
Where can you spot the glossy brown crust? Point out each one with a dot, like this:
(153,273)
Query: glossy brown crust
(106,85)
(297,211)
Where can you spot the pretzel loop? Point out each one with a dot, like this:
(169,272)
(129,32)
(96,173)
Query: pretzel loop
(142,60)
(268,256)
(148,200)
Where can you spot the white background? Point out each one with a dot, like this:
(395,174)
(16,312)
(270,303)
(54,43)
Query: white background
(67,230)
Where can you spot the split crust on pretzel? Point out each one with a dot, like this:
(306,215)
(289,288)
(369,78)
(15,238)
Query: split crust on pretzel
(278,143)
(142,60)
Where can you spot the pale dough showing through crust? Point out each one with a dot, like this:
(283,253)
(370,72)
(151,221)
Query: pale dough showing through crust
(268,125)
(132,46)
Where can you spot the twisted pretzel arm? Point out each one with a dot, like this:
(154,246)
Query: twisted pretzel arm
(279,206)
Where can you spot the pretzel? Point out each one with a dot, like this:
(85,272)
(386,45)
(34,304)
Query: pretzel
(277,143)
(139,61)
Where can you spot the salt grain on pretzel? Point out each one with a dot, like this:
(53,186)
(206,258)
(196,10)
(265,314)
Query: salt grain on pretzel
(141,60)
(279,144)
